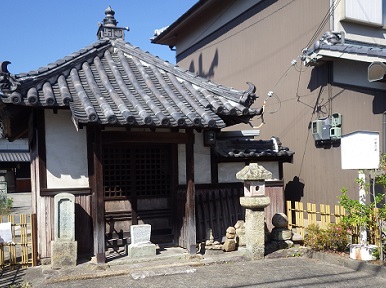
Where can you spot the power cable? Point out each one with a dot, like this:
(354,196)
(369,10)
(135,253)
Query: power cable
(323,23)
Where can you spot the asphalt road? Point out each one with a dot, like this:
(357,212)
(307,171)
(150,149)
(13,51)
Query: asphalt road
(282,272)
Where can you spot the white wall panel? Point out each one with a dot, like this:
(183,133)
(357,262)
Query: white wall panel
(66,152)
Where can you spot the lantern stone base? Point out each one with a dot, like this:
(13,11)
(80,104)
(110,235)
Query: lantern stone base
(141,250)
(254,225)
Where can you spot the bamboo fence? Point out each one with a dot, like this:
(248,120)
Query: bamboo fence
(22,250)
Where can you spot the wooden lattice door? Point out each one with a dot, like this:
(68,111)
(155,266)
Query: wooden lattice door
(138,188)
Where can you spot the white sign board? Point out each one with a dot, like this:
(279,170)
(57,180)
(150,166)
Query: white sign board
(5,232)
(360,150)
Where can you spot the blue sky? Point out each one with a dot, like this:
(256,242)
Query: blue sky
(36,33)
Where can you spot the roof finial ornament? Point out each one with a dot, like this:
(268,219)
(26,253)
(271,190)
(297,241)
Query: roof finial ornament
(108,29)
(110,19)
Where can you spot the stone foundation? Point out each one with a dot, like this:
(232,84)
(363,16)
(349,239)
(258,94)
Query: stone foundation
(63,254)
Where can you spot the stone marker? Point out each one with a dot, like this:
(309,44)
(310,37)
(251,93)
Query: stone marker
(254,202)
(64,247)
(3,188)
(140,245)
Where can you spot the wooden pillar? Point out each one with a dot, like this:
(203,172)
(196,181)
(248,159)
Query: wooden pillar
(96,182)
(190,210)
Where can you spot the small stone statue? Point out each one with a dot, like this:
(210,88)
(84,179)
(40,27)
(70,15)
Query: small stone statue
(230,241)
(281,231)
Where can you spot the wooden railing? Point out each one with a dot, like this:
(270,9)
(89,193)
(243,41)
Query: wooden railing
(22,251)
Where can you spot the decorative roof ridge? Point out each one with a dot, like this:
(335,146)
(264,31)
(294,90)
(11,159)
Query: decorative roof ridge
(65,61)
(246,97)
(54,70)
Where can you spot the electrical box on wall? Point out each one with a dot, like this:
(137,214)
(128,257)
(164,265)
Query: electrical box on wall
(335,133)
(327,131)
(321,129)
(336,120)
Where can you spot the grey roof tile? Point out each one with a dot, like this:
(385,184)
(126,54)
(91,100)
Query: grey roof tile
(113,82)
(252,149)
(14,156)
(351,47)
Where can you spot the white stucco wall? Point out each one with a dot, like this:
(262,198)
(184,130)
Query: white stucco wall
(66,152)
(202,170)
(201,161)
(227,171)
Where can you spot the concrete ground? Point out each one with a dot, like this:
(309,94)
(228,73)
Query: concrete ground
(295,267)
(21,202)
(173,267)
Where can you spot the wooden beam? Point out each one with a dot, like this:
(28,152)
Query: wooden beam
(190,209)
(41,146)
(94,142)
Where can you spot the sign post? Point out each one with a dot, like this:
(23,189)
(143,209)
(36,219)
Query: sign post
(360,151)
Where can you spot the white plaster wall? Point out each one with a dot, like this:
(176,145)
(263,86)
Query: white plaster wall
(227,171)
(201,161)
(66,152)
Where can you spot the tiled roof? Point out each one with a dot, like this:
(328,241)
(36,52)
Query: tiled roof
(113,82)
(342,48)
(248,149)
(14,156)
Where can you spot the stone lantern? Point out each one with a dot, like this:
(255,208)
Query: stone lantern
(254,202)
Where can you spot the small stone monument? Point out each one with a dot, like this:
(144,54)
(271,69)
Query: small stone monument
(64,247)
(240,232)
(280,232)
(3,188)
(140,245)
(230,241)
(254,202)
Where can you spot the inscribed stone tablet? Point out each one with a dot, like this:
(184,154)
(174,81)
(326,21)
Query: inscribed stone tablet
(64,217)
(140,233)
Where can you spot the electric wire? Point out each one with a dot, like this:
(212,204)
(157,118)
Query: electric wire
(323,23)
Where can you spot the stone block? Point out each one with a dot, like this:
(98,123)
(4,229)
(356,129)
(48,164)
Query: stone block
(255,203)
(141,250)
(281,234)
(229,245)
(63,254)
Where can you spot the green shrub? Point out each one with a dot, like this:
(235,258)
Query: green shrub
(314,237)
(334,238)
(5,206)
(337,237)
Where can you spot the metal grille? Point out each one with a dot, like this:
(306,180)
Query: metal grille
(134,170)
